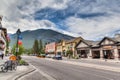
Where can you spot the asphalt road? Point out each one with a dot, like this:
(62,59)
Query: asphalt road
(62,71)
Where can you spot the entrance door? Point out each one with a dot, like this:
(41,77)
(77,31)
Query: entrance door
(84,53)
(95,54)
(108,54)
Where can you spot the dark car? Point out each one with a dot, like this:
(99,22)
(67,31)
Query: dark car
(57,57)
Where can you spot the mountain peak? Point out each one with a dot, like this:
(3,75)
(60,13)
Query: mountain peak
(46,35)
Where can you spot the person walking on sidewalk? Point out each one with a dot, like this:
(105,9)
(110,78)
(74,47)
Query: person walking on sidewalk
(1,55)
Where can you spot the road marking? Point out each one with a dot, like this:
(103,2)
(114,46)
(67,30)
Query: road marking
(43,73)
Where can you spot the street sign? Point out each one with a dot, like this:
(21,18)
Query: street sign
(17,49)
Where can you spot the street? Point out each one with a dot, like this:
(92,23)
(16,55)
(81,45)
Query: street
(62,71)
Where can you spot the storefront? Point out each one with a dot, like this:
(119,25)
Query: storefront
(95,53)
(108,52)
(83,52)
(109,48)
(88,49)
(118,52)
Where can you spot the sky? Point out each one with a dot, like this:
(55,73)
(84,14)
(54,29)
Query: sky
(90,19)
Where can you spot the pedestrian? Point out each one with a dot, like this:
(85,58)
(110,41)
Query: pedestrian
(2,56)
(79,56)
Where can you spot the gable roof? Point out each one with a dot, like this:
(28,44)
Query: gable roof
(77,39)
(90,43)
(115,40)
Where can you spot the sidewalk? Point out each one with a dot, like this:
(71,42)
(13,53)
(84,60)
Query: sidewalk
(97,60)
(103,62)
(15,75)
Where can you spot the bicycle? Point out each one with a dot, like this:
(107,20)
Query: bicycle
(9,65)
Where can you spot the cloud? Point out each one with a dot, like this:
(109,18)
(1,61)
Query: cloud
(93,28)
(19,14)
(90,19)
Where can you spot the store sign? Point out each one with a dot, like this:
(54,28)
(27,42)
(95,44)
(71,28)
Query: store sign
(107,47)
(17,49)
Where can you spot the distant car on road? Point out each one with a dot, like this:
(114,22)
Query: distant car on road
(57,57)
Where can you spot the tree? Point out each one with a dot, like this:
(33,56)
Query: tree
(41,49)
(7,47)
(36,47)
(21,50)
(28,51)
(69,53)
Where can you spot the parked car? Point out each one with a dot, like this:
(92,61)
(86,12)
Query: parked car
(57,57)
(42,55)
(49,56)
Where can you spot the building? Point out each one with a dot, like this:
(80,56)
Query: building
(50,48)
(110,47)
(88,49)
(107,48)
(64,45)
(60,47)
(3,37)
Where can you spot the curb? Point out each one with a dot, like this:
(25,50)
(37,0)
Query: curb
(23,74)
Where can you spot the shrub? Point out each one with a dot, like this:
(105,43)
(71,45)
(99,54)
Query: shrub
(22,62)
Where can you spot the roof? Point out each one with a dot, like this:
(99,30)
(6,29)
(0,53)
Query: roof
(115,40)
(59,44)
(90,43)
(77,39)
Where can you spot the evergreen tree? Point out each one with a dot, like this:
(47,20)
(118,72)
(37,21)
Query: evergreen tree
(36,47)
(28,51)
(41,47)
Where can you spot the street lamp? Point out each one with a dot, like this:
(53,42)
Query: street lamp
(18,34)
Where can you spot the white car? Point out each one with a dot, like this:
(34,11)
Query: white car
(49,55)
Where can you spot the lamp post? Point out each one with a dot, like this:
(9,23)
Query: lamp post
(18,34)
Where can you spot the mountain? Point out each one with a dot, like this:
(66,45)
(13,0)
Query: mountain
(46,35)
